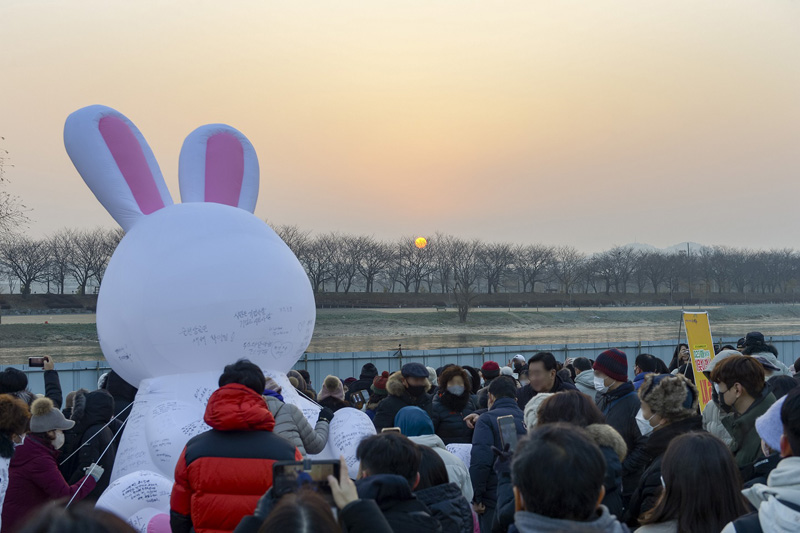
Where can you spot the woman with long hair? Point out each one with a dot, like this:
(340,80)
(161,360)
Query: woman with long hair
(679,357)
(702,488)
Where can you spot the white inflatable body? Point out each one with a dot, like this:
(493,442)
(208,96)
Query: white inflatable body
(190,288)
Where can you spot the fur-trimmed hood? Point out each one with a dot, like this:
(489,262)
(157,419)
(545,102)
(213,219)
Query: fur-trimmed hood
(90,408)
(605,435)
(395,386)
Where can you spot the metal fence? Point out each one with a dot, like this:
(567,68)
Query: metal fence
(84,374)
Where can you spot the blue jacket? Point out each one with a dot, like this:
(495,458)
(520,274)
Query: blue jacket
(639,379)
(486,435)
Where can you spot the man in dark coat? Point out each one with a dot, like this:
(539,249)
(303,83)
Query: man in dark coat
(618,401)
(502,393)
(388,472)
(404,388)
(543,374)
(222,473)
(368,373)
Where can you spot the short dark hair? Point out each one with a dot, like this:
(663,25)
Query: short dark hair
(389,453)
(797,365)
(503,387)
(432,470)
(646,362)
(741,369)
(566,453)
(244,373)
(80,517)
(582,364)
(12,380)
(790,418)
(570,406)
(306,376)
(301,512)
(548,359)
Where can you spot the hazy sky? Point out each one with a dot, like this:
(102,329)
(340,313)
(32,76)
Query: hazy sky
(584,122)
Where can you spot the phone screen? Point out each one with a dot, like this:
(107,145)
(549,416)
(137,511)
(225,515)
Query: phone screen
(359,399)
(508,431)
(290,476)
(36,361)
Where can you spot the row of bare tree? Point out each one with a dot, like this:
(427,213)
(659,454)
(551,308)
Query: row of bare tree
(337,262)
(80,256)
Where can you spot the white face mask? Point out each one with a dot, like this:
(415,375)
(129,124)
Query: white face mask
(600,385)
(58,442)
(456,390)
(644,423)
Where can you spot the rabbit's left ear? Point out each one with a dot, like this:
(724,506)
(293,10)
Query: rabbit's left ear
(116,163)
(218,164)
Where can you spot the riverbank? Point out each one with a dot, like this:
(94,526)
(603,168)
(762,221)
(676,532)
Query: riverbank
(74,337)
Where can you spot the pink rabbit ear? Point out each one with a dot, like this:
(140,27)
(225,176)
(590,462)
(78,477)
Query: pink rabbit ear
(116,163)
(218,164)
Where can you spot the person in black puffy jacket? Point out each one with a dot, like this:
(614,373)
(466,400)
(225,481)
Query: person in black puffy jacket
(451,404)
(90,412)
(443,498)
(364,382)
(404,388)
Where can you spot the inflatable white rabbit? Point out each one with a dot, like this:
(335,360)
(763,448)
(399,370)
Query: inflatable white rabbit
(190,288)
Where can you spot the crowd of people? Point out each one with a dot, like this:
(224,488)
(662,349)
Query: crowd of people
(553,445)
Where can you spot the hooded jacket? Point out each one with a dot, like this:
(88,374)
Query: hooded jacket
(397,398)
(646,494)
(91,411)
(777,502)
(746,445)
(34,480)
(449,507)
(584,382)
(404,512)
(457,471)
(222,473)
(291,424)
(525,522)
(364,382)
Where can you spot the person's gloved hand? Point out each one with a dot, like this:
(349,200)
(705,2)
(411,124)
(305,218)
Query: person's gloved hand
(94,470)
(265,505)
(504,456)
(326,414)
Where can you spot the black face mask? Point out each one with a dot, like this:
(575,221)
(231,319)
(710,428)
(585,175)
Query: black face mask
(725,408)
(416,390)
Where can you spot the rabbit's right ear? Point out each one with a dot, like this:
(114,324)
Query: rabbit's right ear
(116,163)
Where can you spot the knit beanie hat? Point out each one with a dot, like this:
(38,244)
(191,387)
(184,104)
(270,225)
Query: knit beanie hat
(332,386)
(368,371)
(613,363)
(672,397)
(769,425)
(379,384)
(413,422)
(490,370)
(45,417)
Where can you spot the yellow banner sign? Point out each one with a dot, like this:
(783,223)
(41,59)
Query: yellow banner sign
(701,348)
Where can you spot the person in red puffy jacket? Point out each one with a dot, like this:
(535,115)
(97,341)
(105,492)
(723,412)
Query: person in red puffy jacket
(223,472)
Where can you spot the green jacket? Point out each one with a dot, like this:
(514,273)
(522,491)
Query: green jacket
(746,445)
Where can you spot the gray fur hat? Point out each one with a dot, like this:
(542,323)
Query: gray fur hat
(45,417)
(672,397)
